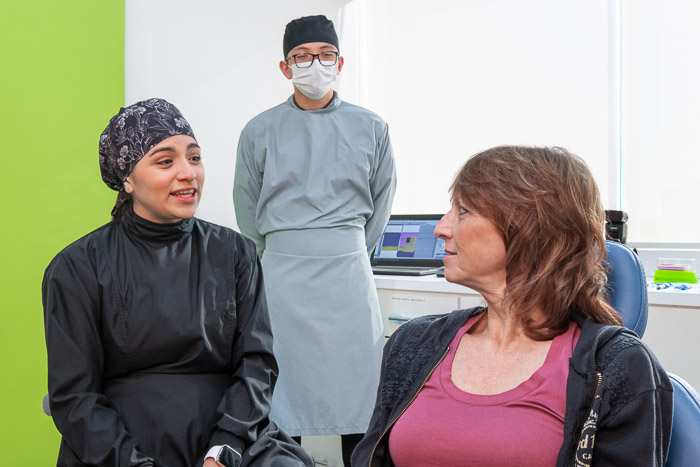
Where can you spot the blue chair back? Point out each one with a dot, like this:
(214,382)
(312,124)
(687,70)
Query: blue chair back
(627,286)
(628,295)
(685,432)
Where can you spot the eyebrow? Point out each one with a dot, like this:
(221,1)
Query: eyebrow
(172,149)
(164,148)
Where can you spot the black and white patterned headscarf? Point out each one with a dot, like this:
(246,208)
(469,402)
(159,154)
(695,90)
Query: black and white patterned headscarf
(132,133)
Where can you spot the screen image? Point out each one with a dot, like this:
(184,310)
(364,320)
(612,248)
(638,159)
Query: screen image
(411,239)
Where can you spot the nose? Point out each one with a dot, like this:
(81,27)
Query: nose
(442,229)
(186,171)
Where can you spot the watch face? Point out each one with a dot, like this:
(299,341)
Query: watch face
(228,457)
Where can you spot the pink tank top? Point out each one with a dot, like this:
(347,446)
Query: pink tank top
(524,426)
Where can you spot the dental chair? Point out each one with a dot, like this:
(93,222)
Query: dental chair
(628,295)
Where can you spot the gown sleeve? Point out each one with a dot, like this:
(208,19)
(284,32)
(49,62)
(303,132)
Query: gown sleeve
(92,430)
(247,184)
(244,408)
(382,187)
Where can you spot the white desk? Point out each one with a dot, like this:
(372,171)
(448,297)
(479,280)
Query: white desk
(672,330)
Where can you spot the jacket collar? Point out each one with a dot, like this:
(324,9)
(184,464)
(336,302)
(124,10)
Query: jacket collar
(332,105)
(596,335)
(153,231)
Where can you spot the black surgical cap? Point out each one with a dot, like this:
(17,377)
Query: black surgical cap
(309,29)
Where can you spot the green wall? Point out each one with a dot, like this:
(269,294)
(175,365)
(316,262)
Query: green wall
(61,79)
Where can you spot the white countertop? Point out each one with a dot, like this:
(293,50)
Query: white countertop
(667,297)
(429,283)
(671,296)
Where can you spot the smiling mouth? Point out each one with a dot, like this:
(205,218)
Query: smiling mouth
(188,193)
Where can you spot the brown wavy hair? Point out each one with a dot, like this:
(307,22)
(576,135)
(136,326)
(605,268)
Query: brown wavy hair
(547,206)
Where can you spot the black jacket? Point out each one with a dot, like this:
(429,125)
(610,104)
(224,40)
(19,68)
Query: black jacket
(159,347)
(616,390)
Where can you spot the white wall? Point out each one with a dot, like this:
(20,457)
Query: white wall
(217,61)
(452,79)
(463,76)
(661,113)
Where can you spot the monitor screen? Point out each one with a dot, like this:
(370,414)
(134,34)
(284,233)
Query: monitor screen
(410,238)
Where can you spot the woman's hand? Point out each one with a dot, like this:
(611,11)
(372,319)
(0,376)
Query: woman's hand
(210,462)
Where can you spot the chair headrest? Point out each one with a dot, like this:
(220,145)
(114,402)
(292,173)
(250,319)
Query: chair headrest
(627,286)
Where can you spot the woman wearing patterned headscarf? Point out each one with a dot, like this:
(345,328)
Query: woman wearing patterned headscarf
(157,330)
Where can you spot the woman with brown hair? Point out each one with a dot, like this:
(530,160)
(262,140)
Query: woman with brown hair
(544,374)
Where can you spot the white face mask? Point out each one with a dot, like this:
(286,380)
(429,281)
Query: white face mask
(314,82)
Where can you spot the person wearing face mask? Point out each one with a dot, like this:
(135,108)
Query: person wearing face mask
(314,184)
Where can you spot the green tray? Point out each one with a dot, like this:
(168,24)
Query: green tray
(661,275)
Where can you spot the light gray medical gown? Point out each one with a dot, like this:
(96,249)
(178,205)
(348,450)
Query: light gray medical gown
(313,189)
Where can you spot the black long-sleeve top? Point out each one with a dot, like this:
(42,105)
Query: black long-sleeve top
(159,346)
